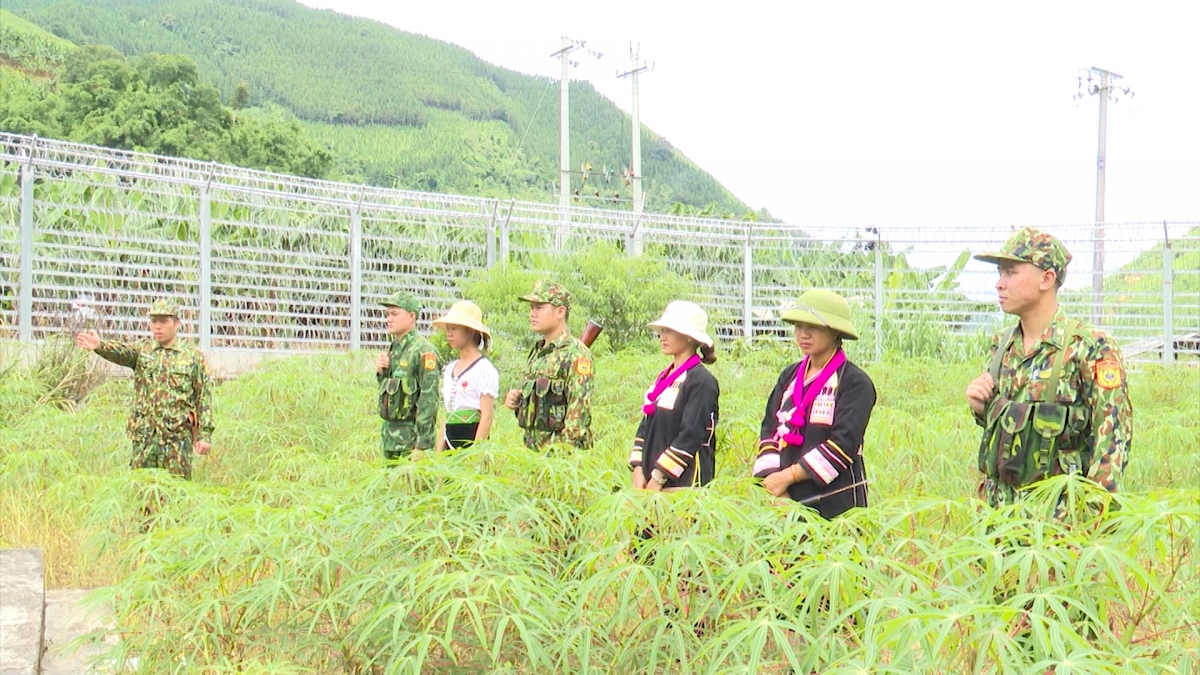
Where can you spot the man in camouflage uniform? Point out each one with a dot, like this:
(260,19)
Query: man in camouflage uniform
(1055,398)
(172,403)
(409,375)
(553,404)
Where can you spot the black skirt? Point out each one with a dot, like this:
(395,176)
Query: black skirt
(460,435)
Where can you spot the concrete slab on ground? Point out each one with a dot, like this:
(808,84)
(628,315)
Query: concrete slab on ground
(22,607)
(69,616)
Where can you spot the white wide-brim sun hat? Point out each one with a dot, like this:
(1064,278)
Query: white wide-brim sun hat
(464,313)
(685,318)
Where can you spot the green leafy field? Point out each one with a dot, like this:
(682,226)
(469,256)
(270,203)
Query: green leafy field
(294,550)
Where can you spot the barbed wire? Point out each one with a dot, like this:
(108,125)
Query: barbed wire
(123,228)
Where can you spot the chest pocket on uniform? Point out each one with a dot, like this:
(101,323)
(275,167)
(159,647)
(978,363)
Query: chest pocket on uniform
(544,404)
(179,375)
(1014,444)
(395,394)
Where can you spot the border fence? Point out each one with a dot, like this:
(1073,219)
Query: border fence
(264,261)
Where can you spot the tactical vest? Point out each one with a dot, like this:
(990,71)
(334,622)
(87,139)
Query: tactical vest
(1024,441)
(543,403)
(397,391)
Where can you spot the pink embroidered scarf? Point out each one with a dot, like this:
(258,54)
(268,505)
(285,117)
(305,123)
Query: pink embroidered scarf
(665,379)
(803,397)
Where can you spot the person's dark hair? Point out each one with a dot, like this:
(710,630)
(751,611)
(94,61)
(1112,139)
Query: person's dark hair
(481,341)
(708,355)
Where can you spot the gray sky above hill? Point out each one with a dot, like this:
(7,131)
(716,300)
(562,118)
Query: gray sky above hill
(886,113)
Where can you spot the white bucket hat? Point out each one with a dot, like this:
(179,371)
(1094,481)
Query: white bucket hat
(685,318)
(464,313)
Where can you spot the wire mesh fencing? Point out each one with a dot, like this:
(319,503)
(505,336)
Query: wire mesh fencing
(266,262)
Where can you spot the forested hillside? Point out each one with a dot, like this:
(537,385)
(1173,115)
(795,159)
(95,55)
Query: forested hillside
(394,108)
(154,103)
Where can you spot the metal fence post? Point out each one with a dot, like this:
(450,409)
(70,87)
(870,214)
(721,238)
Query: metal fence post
(1168,298)
(356,276)
(205,327)
(878,295)
(747,289)
(560,232)
(25,310)
(491,235)
(503,243)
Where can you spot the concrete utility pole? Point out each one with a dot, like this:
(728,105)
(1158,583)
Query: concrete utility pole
(636,147)
(1103,89)
(564,125)
(564,130)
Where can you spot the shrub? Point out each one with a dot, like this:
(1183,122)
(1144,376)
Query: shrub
(619,292)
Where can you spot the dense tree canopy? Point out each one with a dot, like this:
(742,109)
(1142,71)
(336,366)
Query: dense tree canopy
(154,103)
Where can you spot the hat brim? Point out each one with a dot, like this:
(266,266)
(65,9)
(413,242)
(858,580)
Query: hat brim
(163,314)
(407,309)
(533,299)
(454,319)
(996,258)
(690,331)
(835,323)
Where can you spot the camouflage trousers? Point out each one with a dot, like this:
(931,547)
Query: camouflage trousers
(399,438)
(173,456)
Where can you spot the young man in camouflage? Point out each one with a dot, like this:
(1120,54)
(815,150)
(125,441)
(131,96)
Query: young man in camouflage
(408,374)
(172,401)
(1055,399)
(553,404)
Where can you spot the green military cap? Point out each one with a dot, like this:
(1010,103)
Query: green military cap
(403,300)
(820,307)
(1031,245)
(164,307)
(548,292)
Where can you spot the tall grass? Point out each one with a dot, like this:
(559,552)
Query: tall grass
(293,550)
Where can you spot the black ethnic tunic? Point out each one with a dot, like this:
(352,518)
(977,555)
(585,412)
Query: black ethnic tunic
(831,453)
(679,437)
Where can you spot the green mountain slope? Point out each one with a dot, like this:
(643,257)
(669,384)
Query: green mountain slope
(394,108)
(29,49)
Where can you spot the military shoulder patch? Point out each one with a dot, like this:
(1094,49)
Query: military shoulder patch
(583,366)
(429,361)
(1108,374)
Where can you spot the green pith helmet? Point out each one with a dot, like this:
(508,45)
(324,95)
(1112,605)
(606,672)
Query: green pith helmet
(822,307)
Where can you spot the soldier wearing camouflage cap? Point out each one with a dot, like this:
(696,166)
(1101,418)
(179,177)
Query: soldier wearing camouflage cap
(171,417)
(553,403)
(407,374)
(1055,397)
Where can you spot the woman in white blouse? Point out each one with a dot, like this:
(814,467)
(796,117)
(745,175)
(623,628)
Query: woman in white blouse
(470,382)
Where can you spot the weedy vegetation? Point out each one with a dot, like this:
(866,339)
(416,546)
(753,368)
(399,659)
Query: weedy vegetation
(295,550)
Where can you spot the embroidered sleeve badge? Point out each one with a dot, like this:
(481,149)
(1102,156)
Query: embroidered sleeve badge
(583,366)
(429,361)
(1108,374)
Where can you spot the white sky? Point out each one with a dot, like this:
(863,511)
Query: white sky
(885,113)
